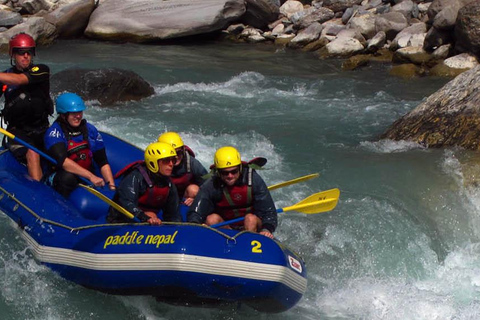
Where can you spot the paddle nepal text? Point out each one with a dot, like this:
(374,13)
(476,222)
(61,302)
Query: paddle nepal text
(135,238)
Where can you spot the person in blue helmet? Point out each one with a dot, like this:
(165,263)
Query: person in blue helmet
(75,145)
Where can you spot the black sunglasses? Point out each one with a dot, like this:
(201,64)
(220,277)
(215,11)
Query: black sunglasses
(168,160)
(225,173)
(23,51)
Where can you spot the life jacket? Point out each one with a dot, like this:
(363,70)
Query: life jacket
(26,106)
(78,151)
(237,200)
(155,197)
(187,178)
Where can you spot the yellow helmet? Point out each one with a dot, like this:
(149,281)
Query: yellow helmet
(227,157)
(156,151)
(171,138)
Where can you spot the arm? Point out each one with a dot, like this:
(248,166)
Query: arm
(14,79)
(198,171)
(55,144)
(204,203)
(128,193)
(71,166)
(263,205)
(108,176)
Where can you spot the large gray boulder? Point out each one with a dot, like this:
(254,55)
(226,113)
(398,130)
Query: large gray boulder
(153,20)
(105,85)
(71,19)
(449,117)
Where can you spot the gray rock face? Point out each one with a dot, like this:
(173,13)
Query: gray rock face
(153,20)
(9,18)
(467,29)
(449,117)
(260,13)
(71,19)
(105,85)
(340,5)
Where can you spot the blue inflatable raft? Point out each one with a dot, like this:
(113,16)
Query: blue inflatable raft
(177,263)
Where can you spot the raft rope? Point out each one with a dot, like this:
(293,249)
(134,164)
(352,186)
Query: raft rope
(77,229)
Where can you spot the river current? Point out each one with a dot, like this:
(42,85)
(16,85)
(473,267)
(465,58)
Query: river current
(404,240)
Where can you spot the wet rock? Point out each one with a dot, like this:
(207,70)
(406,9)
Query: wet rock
(108,86)
(406,71)
(356,62)
(449,117)
(412,54)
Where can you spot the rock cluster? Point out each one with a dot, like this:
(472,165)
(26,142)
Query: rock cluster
(439,37)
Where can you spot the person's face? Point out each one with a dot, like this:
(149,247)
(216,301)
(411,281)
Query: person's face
(229,175)
(23,58)
(165,166)
(74,118)
(180,154)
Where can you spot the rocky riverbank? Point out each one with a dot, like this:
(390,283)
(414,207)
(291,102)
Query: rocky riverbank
(439,37)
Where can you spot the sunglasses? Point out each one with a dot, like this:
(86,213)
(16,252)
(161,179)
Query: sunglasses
(23,51)
(168,160)
(179,151)
(225,173)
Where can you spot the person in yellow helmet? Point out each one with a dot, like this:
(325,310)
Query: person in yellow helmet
(235,190)
(188,173)
(146,188)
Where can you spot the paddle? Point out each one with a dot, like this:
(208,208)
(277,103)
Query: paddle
(90,189)
(296,180)
(316,203)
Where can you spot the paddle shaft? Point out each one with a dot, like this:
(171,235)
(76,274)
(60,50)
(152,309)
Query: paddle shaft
(309,205)
(90,189)
(224,223)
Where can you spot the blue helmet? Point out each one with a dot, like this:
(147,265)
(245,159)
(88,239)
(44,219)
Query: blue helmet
(69,102)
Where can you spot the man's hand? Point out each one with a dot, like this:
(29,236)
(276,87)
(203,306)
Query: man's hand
(154,221)
(97,181)
(266,233)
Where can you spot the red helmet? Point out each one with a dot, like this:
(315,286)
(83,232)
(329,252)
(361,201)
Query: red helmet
(21,41)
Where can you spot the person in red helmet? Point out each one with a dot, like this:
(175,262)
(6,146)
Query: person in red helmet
(26,87)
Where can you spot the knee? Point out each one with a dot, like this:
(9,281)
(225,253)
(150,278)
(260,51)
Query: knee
(213,219)
(32,156)
(252,222)
(191,191)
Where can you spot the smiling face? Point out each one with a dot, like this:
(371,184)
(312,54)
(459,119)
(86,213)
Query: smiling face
(74,118)
(230,175)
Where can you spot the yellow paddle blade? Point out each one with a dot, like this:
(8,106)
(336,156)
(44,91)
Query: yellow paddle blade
(108,200)
(289,182)
(316,203)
